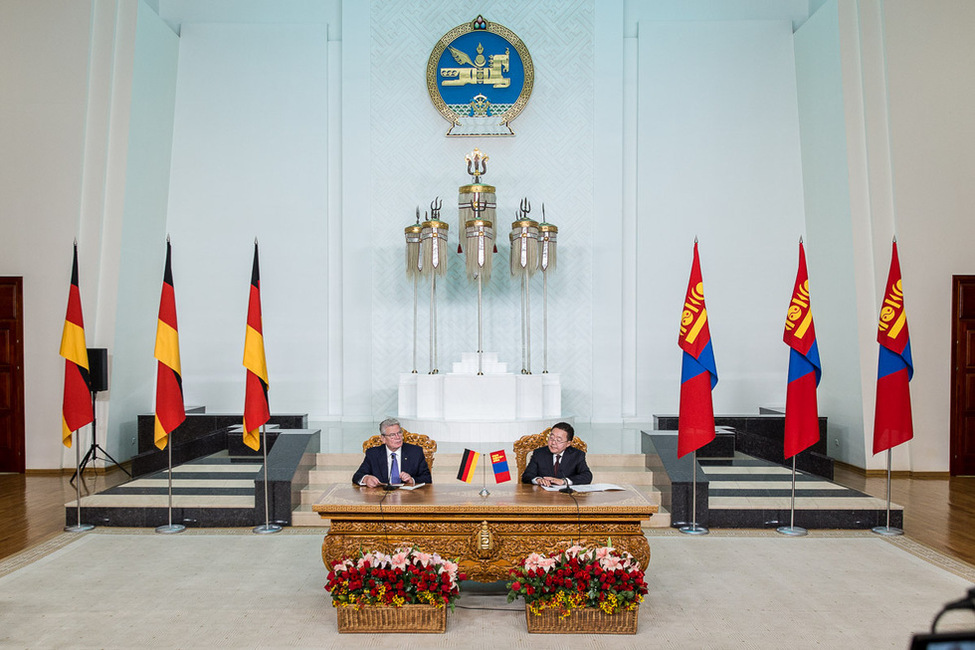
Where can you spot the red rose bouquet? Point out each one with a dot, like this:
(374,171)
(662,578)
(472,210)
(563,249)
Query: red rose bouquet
(406,576)
(579,577)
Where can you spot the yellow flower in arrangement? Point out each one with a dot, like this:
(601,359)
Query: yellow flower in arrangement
(577,578)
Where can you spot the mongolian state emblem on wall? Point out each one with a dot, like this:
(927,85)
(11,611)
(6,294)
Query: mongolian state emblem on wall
(480,76)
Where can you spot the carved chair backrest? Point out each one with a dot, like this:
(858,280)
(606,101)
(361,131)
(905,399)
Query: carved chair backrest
(526,444)
(429,446)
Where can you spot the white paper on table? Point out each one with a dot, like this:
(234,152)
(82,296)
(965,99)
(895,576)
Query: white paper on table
(594,487)
(412,487)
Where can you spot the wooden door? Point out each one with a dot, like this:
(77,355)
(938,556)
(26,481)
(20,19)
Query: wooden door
(11,375)
(963,376)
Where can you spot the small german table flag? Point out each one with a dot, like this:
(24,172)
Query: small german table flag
(468,463)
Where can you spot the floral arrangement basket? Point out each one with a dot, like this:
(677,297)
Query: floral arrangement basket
(404,591)
(586,590)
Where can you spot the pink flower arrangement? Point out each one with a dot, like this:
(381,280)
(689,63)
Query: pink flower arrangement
(579,577)
(404,577)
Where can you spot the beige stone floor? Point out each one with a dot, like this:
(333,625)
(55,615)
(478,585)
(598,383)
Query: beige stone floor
(120,588)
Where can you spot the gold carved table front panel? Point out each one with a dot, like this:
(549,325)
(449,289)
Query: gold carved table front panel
(489,535)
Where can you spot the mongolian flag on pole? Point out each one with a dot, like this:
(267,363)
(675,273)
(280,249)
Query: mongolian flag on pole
(805,371)
(170,412)
(699,375)
(256,409)
(892,423)
(76,409)
(499,461)
(468,463)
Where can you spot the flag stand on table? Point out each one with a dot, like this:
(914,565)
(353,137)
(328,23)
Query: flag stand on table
(805,371)
(257,411)
(77,410)
(893,423)
(170,412)
(484,491)
(699,375)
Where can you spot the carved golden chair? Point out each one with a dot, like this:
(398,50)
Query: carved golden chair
(429,446)
(526,444)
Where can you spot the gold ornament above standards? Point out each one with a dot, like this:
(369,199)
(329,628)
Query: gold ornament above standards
(478,240)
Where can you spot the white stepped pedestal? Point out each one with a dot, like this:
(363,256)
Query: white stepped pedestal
(463,406)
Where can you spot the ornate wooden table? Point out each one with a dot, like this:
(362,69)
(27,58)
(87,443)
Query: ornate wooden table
(489,535)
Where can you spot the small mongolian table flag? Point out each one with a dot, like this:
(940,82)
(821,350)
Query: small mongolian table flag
(500,464)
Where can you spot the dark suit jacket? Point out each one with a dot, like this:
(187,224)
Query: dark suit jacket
(573,466)
(410,457)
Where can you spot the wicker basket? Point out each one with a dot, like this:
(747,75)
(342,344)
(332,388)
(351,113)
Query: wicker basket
(588,620)
(425,619)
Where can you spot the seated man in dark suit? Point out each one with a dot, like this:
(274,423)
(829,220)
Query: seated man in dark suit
(393,462)
(558,463)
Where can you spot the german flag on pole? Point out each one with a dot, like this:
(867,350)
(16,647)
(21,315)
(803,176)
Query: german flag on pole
(256,409)
(169,382)
(468,463)
(76,409)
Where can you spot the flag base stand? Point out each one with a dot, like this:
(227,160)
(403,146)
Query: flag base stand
(484,492)
(170,529)
(267,529)
(693,528)
(887,531)
(78,528)
(792,531)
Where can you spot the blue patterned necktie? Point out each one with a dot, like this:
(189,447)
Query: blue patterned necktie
(394,470)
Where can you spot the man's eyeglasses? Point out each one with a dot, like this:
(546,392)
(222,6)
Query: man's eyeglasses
(398,434)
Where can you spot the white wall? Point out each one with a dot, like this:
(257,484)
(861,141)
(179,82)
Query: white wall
(718,158)
(137,260)
(930,55)
(44,48)
(250,159)
(830,249)
(309,128)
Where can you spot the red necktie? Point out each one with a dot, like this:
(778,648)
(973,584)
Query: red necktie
(556,468)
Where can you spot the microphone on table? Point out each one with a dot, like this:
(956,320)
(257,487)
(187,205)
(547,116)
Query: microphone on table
(568,488)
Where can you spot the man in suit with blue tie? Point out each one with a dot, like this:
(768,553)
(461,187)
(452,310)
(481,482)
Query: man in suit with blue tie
(558,463)
(393,462)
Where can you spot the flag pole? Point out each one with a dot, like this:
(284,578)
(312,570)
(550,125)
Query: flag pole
(170,528)
(484,491)
(887,531)
(792,530)
(693,528)
(79,527)
(267,526)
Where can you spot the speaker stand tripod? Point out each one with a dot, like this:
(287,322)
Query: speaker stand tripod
(92,454)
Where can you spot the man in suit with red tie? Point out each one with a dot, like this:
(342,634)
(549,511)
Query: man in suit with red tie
(558,463)
(393,462)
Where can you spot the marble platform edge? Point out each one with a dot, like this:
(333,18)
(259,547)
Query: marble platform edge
(290,458)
